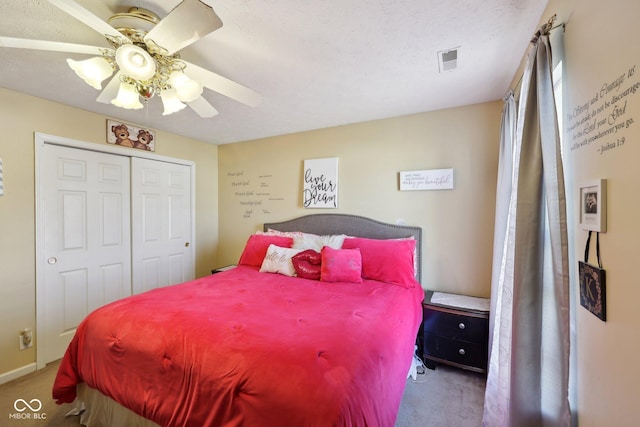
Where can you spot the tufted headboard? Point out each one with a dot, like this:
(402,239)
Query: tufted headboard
(352,225)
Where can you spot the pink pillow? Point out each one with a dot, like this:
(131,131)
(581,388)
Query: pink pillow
(341,265)
(257,245)
(385,260)
(307,264)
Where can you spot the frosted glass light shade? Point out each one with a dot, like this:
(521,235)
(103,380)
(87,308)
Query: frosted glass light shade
(127,97)
(187,89)
(170,102)
(93,71)
(135,62)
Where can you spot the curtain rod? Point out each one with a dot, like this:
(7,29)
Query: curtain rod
(544,29)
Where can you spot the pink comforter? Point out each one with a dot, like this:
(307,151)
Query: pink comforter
(247,348)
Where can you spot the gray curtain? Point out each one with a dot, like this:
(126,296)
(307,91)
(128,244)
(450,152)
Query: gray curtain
(528,375)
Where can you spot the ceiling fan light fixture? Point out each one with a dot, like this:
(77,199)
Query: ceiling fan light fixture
(143,54)
(187,89)
(135,62)
(170,101)
(127,97)
(93,71)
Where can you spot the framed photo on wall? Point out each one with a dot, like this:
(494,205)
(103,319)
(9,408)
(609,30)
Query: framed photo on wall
(132,136)
(593,206)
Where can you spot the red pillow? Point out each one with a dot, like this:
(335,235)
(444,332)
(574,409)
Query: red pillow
(307,264)
(257,245)
(341,265)
(385,260)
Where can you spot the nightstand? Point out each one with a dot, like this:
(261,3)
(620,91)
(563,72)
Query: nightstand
(455,331)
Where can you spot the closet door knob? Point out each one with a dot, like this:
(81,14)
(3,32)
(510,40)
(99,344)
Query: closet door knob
(186,245)
(461,351)
(461,325)
(52,260)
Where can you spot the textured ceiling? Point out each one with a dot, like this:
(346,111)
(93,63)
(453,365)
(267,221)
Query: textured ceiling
(316,63)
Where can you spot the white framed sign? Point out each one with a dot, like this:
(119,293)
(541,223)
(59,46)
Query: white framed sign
(433,179)
(320,183)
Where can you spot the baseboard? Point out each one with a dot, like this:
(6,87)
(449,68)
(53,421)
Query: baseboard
(17,373)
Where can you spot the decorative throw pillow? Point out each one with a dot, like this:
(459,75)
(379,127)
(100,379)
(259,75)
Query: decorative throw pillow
(278,260)
(386,260)
(307,264)
(257,245)
(273,232)
(341,265)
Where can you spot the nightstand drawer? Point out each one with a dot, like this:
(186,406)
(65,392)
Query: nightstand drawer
(470,354)
(455,325)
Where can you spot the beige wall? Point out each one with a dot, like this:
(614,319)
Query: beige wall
(21,116)
(457,224)
(601,44)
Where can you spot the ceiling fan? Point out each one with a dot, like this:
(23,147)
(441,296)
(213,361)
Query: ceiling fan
(143,57)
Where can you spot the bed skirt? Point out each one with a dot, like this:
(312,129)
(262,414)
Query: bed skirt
(102,411)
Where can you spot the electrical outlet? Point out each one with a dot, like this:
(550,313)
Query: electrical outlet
(26,339)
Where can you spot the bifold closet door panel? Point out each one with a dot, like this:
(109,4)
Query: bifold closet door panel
(84,207)
(162,253)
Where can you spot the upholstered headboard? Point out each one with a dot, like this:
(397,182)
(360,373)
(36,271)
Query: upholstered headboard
(352,225)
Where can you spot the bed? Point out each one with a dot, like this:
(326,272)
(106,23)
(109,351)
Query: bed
(329,343)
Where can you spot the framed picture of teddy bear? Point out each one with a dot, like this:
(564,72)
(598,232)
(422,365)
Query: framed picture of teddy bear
(132,136)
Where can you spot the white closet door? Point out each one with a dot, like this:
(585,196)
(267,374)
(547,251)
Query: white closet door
(85,214)
(161,217)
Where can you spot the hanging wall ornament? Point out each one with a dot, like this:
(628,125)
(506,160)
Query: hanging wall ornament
(592,282)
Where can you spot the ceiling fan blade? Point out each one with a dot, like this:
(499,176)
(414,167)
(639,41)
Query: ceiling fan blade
(48,45)
(203,108)
(110,91)
(223,85)
(185,24)
(86,17)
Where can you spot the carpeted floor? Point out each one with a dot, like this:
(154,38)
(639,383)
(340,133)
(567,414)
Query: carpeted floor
(445,397)
(36,385)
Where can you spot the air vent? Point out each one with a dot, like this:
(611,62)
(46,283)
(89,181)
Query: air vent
(448,59)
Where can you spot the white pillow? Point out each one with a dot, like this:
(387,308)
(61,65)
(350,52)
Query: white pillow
(278,260)
(415,255)
(305,241)
(315,242)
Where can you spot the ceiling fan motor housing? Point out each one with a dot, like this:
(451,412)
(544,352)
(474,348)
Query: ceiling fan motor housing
(144,56)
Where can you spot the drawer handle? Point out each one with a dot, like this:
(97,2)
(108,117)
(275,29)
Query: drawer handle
(461,325)
(461,351)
